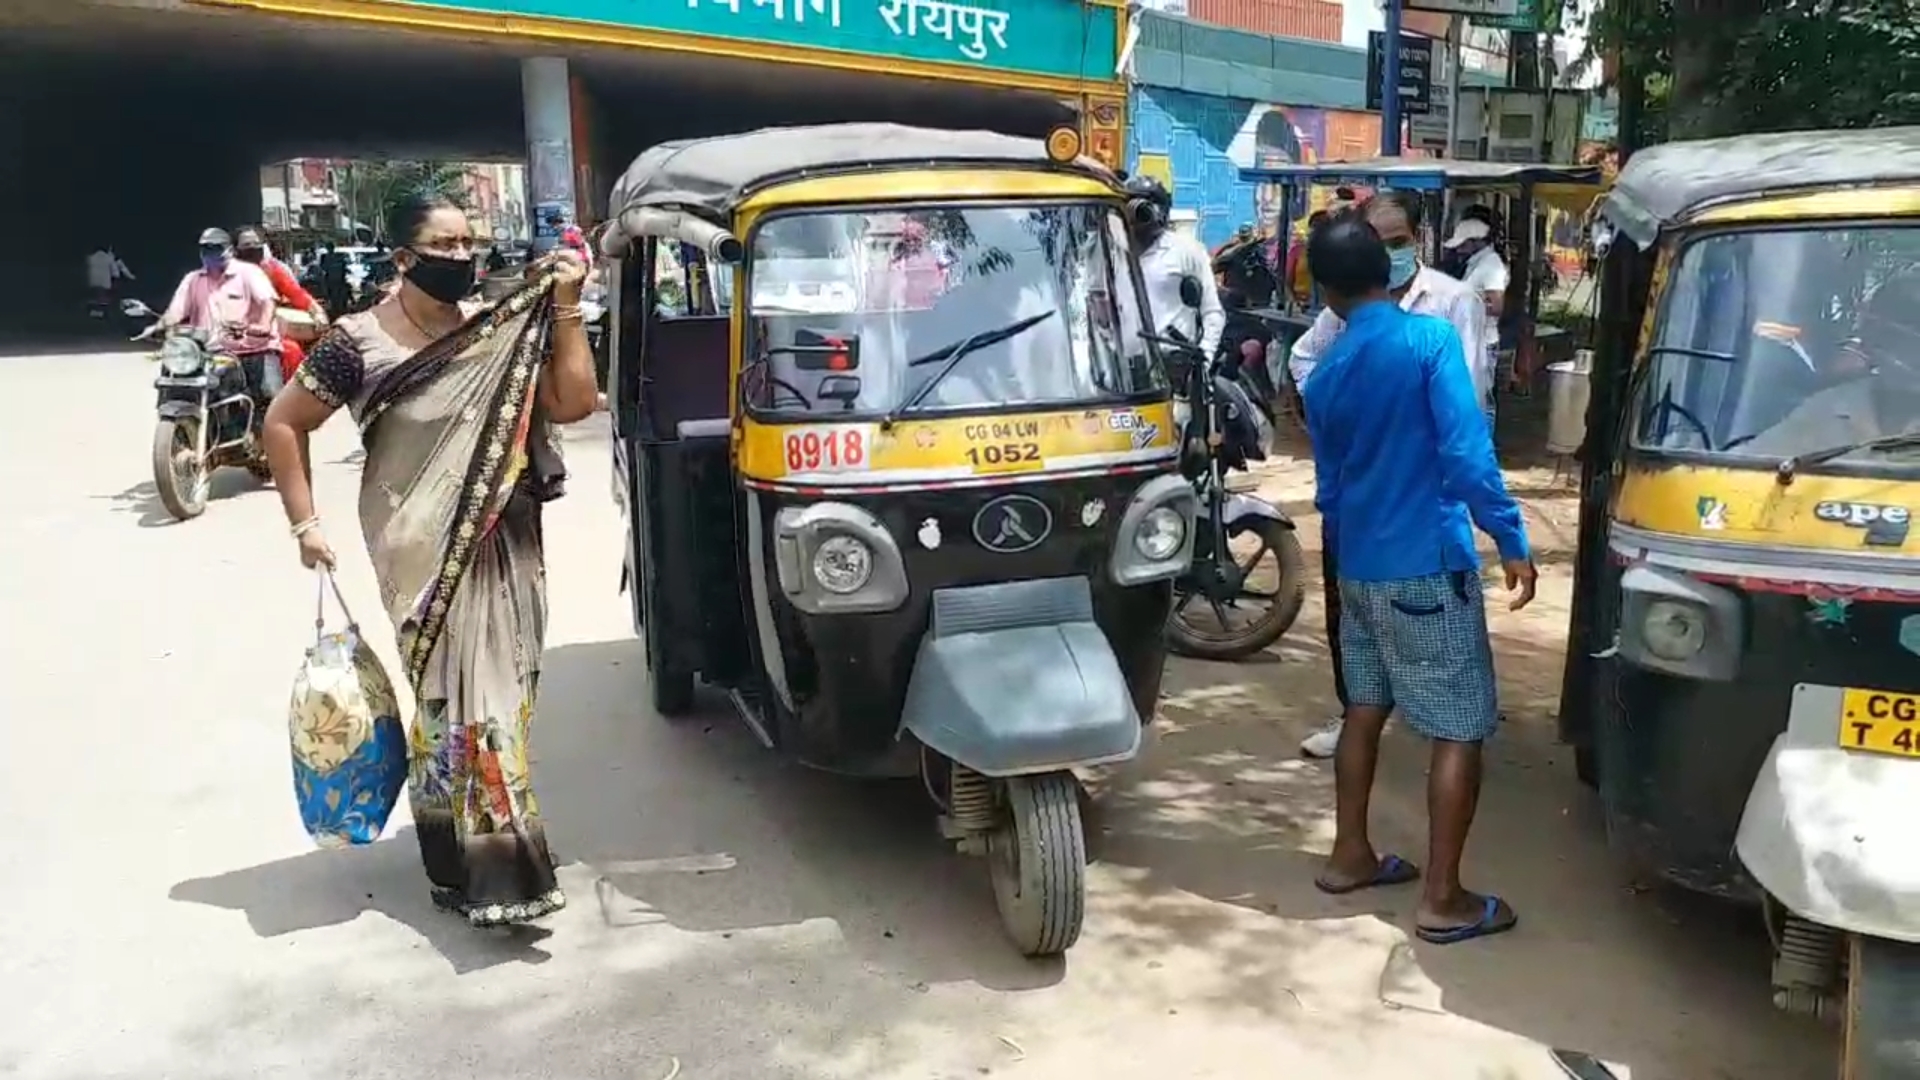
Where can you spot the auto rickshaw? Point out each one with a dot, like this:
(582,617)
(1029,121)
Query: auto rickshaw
(1743,681)
(898,465)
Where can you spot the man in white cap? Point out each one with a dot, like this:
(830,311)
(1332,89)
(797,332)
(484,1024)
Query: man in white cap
(1486,274)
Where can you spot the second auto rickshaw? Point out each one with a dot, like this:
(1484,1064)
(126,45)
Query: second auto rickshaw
(899,468)
(1744,673)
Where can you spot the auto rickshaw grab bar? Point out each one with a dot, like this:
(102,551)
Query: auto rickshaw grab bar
(719,244)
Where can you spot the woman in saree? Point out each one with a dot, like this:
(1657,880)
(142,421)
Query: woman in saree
(455,407)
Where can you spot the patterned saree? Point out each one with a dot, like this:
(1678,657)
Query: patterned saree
(459,460)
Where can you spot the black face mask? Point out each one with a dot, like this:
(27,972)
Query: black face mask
(252,255)
(446,280)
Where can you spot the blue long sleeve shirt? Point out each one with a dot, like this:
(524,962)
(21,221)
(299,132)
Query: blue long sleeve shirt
(1403,457)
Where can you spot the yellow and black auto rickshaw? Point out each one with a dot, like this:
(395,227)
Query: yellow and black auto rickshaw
(898,466)
(1743,683)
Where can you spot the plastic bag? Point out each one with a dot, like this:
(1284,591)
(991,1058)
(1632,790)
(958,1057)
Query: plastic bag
(343,720)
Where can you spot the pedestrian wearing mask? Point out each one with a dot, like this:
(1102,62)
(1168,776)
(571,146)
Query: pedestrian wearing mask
(456,408)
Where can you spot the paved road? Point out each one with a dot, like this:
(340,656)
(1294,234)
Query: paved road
(732,917)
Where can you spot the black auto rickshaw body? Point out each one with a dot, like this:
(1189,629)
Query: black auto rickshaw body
(899,468)
(1743,678)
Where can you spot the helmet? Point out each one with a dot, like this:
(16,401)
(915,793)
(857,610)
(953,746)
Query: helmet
(1148,201)
(215,238)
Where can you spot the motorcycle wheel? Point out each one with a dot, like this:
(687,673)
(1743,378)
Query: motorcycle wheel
(1238,643)
(179,475)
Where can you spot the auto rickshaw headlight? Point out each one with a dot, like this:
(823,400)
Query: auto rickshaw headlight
(842,564)
(1674,630)
(1160,534)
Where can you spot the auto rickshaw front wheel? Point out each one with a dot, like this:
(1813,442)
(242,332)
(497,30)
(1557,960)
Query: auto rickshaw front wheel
(1037,859)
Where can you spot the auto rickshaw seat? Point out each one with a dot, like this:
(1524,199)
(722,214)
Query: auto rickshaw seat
(686,372)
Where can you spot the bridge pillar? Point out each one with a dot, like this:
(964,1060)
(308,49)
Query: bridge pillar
(547,93)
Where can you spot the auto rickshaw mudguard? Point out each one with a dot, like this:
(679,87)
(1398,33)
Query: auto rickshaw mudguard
(1016,678)
(1829,832)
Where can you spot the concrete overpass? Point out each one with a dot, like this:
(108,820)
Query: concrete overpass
(139,122)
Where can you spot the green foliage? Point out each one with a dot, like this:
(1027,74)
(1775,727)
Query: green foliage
(378,186)
(1766,65)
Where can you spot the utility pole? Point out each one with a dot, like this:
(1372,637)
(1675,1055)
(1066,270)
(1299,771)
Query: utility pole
(1390,136)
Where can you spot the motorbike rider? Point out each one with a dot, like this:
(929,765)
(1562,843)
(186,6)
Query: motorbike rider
(250,246)
(1166,258)
(231,302)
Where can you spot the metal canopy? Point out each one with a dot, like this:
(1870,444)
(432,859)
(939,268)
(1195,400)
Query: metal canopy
(1426,174)
(1664,185)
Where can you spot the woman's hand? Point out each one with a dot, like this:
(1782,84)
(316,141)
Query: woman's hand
(314,550)
(569,274)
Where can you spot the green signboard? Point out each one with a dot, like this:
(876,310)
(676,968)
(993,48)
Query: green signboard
(1067,39)
(1530,16)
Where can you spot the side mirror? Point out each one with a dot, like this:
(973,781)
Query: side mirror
(1190,291)
(134,309)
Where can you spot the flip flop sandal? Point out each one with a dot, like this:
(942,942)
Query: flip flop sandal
(1393,870)
(1496,918)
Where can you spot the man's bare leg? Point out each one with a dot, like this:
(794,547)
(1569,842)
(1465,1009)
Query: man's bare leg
(1353,859)
(1453,795)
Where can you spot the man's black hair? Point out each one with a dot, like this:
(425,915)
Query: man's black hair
(1347,258)
(1406,202)
(1317,219)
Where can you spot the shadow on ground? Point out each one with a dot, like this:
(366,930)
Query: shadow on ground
(143,499)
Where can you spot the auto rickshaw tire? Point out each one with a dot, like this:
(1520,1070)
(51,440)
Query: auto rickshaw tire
(167,438)
(672,693)
(1291,596)
(1880,1020)
(1586,766)
(1037,860)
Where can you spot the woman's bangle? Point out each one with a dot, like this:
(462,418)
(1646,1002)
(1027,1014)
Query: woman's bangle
(566,313)
(305,527)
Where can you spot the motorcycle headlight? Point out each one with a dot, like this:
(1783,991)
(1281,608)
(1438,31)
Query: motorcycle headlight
(1674,631)
(180,357)
(1160,534)
(842,564)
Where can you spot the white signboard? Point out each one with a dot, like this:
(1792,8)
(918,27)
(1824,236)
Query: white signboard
(1482,9)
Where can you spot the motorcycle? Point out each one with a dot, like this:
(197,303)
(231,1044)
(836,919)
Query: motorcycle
(1224,430)
(1247,283)
(210,411)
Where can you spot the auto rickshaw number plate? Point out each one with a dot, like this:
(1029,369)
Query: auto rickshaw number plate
(1880,722)
(828,449)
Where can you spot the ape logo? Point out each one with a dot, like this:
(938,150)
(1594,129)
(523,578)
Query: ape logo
(1886,526)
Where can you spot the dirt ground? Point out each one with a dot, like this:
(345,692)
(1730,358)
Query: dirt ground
(1664,985)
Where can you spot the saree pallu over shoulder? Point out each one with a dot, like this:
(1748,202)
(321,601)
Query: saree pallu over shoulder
(449,432)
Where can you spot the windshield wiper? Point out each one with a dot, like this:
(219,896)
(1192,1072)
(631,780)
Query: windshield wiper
(1819,457)
(953,354)
(1698,354)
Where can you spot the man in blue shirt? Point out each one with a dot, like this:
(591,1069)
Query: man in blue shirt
(1404,468)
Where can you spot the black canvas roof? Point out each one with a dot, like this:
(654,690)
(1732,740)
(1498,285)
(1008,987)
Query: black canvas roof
(1663,184)
(711,176)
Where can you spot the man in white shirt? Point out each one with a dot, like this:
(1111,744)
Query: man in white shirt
(1395,215)
(104,268)
(1486,274)
(1166,258)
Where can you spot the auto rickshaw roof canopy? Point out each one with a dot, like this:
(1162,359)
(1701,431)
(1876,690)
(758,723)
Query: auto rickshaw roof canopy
(1663,186)
(1568,187)
(711,177)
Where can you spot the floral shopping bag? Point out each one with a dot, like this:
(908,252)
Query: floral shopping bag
(349,747)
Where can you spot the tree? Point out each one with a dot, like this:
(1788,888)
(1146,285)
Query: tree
(379,186)
(1722,67)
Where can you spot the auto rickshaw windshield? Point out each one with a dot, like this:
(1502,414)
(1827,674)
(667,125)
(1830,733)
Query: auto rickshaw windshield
(871,310)
(1776,342)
